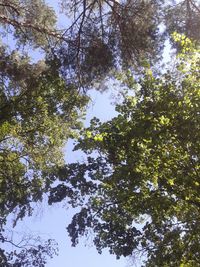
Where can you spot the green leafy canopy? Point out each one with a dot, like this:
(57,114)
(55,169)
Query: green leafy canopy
(147,169)
(139,188)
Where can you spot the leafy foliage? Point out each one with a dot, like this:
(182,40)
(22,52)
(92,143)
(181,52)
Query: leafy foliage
(142,171)
(38,113)
(147,150)
(184,17)
(29,22)
(125,33)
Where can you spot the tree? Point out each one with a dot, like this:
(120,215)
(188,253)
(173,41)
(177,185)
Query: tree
(41,101)
(125,33)
(129,33)
(27,252)
(38,113)
(139,187)
(184,17)
(29,22)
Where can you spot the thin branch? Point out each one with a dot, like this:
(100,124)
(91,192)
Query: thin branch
(9,5)
(194,5)
(43,30)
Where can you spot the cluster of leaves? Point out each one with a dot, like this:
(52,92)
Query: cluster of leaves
(142,171)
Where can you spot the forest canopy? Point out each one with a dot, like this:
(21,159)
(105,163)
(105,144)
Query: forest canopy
(142,184)
(140,192)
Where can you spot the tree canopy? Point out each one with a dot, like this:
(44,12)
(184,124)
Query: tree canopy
(141,191)
(38,113)
(139,186)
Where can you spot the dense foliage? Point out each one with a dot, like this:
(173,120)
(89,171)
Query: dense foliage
(139,187)
(38,113)
(45,72)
